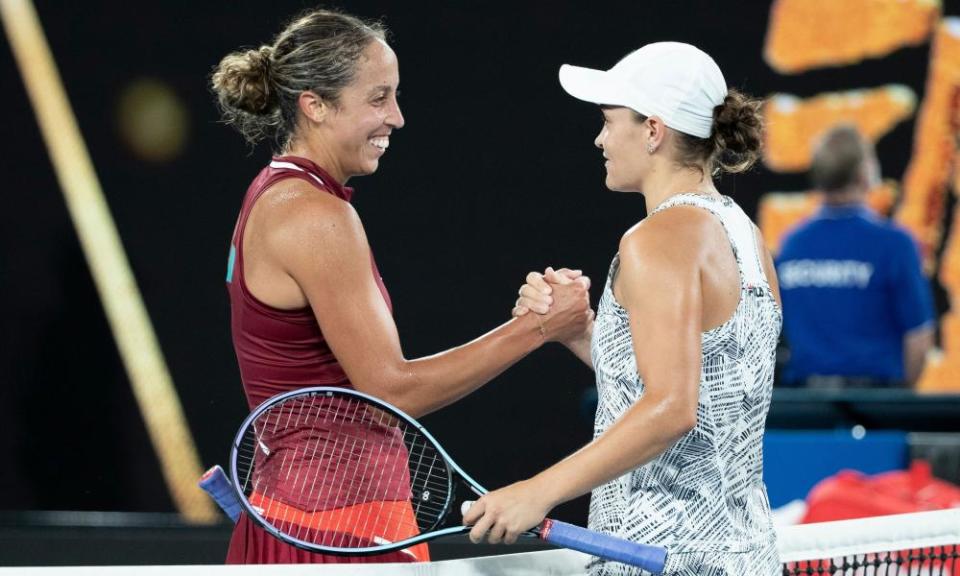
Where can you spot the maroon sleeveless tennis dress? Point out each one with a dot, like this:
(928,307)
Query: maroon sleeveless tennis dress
(279,351)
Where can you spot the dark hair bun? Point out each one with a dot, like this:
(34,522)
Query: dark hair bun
(242,81)
(737,132)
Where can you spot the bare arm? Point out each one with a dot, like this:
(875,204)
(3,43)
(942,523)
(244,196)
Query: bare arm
(320,242)
(581,346)
(662,294)
(916,344)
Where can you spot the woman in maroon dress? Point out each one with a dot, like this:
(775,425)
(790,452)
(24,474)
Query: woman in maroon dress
(308,305)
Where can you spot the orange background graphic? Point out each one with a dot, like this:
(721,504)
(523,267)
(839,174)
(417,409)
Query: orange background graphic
(804,35)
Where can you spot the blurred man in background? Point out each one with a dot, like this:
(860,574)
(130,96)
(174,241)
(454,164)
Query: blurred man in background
(857,308)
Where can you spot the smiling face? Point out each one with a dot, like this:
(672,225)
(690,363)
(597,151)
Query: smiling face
(356,131)
(623,140)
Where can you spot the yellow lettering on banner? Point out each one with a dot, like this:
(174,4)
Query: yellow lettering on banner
(794,124)
(934,144)
(807,34)
(942,372)
(923,214)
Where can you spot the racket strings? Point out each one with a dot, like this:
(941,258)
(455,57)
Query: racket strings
(339,472)
(364,528)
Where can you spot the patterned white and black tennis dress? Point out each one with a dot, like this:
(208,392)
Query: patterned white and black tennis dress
(704,497)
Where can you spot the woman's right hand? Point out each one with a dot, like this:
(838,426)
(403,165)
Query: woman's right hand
(561,300)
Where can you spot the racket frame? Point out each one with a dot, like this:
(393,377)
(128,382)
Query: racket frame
(648,557)
(331,391)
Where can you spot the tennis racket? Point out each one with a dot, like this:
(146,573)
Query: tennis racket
(336,471)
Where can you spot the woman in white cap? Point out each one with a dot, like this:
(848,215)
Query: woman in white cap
(685,334)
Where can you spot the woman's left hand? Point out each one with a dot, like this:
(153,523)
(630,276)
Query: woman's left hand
(504,514)
(535,293)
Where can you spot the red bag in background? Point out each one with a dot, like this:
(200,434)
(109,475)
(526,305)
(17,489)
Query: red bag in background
(850,494)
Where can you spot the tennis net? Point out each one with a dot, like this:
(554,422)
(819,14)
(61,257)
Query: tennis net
(921,544)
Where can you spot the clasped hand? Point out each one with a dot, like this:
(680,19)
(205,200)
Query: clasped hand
(561,298)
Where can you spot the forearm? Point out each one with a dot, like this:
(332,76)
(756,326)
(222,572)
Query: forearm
(644,432)
(430,383)
(581,347)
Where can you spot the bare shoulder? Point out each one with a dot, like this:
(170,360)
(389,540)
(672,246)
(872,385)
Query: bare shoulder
(299,218)
(661,257)
(679,234)
(295,204)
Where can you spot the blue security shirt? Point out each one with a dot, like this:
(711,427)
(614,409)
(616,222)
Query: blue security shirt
(852,287)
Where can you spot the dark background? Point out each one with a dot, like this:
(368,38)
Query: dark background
(495,174)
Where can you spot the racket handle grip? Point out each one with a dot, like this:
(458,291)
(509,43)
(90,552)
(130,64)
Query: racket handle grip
(650,558)
(215,483)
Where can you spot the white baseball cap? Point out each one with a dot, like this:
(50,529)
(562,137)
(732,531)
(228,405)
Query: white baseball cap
(676,82)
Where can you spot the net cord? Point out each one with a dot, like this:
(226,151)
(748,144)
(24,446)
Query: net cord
(869,535)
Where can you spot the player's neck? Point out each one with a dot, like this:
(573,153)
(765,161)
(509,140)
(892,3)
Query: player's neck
(674,182)
(318,154)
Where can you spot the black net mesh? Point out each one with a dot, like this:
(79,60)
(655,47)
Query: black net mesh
(932,561)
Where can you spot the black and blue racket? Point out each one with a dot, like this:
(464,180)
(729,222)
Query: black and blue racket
(336,471)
